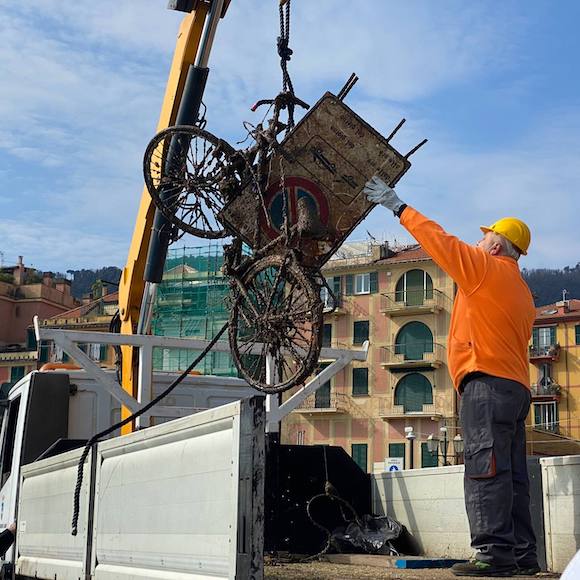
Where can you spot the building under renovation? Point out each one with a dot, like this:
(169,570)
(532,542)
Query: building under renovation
(192,302)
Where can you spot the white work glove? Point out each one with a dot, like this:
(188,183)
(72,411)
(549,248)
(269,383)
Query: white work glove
(377,191)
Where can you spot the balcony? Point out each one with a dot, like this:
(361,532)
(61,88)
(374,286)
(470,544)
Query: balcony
(330,305)
(413,355)
(409,302)
(329,404)
(388,410)
(545,353)
(549,392)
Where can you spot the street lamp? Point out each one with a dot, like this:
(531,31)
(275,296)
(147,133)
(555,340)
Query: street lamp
(458,446)
(443,444)
(434,443)
(410,435)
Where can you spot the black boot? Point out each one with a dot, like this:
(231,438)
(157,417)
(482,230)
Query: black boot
(528,569)
(479,568)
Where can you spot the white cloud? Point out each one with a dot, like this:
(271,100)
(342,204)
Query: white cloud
(48,247)
(87,81)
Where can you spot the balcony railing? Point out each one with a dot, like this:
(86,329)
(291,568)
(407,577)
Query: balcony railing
(412,301)
(551,390)
(414,354)
(550,351)
(388,409)
(332,304)
(333,403)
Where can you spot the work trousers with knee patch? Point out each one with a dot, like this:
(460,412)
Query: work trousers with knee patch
(497,498)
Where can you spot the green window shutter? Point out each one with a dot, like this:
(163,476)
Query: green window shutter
(16,373)
(103,352)
(413,391)
(428,459)
(349,284)
(374,281)
(414,340)
(322,394)
(327,335)
(578,334)
(396,450)
(30,339)
(552,335)
(360,381)
(536,337)
(44,352)
(337,289)
(359,452)
(360,331)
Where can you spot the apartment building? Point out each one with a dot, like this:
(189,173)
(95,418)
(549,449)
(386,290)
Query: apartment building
(554,422)
(400,403)
(24,293)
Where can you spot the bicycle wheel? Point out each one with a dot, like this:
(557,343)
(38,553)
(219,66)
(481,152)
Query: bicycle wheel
(277,314)
(189,176)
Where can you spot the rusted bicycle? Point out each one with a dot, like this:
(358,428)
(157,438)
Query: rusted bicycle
(292,202)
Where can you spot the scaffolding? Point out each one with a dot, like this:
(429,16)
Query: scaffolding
(192,302)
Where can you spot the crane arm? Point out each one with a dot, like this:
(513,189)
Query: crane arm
(132,285)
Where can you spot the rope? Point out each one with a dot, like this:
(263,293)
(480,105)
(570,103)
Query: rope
(285,53)
(96,438)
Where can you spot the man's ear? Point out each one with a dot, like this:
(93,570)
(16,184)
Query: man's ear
(496,249)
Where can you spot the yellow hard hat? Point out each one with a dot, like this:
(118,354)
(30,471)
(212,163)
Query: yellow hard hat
(515,230)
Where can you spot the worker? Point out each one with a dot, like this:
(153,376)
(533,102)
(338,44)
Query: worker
(491,325)
(7,538)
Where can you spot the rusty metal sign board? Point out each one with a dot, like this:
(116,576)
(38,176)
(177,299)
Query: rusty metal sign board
(331,154)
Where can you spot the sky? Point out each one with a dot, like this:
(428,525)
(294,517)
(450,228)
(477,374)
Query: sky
(494,86)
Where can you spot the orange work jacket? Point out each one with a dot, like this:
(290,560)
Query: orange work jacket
(493,312)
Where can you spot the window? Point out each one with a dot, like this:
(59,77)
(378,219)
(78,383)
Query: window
(414,340)
(360,331)
(428,459)
(322,395)
(546,416)
(545,375)
(300,437)
(16,373)
(362,283)
(360,382)
(544,336)
(397,450)
(412,392)
(367,283)
(578,334)
(30,339)
(359,454)
(94,351)
(326,296)
(327,335)
(414,287)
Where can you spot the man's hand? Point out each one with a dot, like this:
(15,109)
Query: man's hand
(377,191)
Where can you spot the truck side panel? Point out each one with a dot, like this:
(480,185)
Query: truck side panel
(46,548)
(169,502)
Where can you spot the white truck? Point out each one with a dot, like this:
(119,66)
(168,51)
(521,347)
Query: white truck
(180,500)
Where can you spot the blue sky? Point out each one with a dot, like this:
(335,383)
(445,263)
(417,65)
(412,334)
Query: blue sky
(493,86)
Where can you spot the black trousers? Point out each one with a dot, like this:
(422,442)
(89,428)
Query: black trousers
(497,497)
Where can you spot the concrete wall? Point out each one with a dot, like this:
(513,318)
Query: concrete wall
(429,502)
(561,490)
